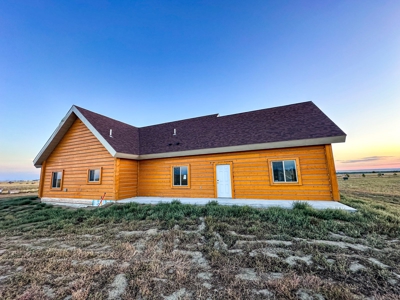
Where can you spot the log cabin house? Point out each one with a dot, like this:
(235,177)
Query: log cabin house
(277,153)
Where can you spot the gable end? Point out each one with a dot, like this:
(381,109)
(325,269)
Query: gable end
(62,129)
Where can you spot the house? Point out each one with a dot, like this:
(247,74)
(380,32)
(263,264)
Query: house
(277,153)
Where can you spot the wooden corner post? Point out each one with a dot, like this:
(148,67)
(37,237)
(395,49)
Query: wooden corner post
(42,178)
(332,172)
(116,178)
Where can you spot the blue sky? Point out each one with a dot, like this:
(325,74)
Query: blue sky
(148,62)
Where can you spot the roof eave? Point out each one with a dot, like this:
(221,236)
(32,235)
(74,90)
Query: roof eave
(126,155)
(261,146)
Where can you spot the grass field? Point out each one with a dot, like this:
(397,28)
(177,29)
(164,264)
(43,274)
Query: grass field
(23,188)
(387,186)
(175,251)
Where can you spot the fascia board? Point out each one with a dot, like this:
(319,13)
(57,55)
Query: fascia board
(126,155)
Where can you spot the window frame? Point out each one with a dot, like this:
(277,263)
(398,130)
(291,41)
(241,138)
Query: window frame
(61,182)
(188,177)
(271,171)
(100,177)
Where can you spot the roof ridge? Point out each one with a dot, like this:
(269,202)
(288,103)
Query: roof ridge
(264,109)
(103,116)
(206,116)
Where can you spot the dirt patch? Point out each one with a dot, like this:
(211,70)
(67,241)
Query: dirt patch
(308,295)
(241,244)
(270,251)
(292,260)
(118,287)
(274,275)
(197,258)
(220,244)
(355,266)
(247,274)
(180,294)
(264,293)
(149,232)
(242,236)
(378,263)
(343,245)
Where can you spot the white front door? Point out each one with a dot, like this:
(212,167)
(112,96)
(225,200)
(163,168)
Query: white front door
(224,189)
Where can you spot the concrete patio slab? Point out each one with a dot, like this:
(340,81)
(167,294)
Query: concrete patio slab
(241,202)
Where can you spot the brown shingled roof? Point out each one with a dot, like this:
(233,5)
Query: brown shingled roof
(125,137)
(285,123)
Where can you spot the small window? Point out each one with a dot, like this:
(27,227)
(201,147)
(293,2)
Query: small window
(284,171)
(94,175)
(180,176)
(56,180)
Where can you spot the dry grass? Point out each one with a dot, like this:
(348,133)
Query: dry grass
(179,251)
(386,186)
(21,188)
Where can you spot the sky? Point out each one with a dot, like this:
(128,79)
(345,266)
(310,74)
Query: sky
(149,62)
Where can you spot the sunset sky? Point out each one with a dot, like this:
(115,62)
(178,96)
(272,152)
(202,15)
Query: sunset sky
(149,62)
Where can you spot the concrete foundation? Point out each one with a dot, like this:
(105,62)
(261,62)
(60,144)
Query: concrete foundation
(288,204)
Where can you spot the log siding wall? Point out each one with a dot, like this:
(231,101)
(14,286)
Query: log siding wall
(251,175)
(127,178)
(78,151)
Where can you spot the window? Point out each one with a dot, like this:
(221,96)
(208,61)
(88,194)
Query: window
(94,175)
(56,180)
(180,176)
(284,171)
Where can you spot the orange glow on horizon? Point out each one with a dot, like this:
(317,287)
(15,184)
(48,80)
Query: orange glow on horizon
(367,165)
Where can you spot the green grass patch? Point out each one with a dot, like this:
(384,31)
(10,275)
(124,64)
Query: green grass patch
(25,214)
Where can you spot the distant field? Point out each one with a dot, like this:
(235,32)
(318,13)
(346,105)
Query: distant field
(385,188)
(18,187)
